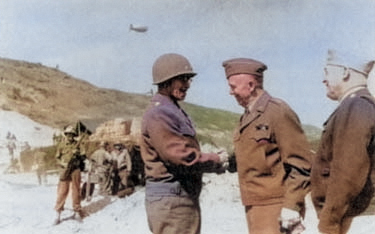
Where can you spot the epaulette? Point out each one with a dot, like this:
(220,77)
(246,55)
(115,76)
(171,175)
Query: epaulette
(277,101)
(370,99)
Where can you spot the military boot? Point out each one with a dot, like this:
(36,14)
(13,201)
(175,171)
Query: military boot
(79,215)
(57,218)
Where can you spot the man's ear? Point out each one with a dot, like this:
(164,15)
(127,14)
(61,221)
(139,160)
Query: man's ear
(252,85)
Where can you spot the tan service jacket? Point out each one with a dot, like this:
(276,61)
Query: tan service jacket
(273,155)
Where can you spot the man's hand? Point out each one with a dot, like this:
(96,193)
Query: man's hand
(232,164)
(290,222)
(224,158)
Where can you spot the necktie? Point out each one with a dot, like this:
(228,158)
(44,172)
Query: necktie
(245,115)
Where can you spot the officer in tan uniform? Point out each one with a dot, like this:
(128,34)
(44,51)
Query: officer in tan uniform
(341,173)
(272,153)
(70,157)
(170,150)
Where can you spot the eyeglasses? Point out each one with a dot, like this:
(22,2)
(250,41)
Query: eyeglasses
(184,78)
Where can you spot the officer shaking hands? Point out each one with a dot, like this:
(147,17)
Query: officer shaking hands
(272,153)
(174,163)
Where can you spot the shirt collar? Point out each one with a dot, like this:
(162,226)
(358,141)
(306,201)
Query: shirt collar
(351,91)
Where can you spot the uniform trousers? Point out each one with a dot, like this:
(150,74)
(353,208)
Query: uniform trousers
(263,219)
(344,226)
(41,174)
(63,191)
(124,177)
(103,177)
(341,227)
(173,215)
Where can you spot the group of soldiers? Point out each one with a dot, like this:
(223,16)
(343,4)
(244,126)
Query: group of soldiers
(110,169)
(108,166)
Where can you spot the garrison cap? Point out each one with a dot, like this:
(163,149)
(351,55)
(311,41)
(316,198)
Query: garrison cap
(337,58)
(244,66)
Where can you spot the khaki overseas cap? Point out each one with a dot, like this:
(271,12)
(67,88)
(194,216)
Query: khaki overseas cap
(244,66)
(337,58)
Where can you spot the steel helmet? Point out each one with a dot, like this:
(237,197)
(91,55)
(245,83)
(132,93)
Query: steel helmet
(103,144)
(70,129)
(118,145)
(170,65)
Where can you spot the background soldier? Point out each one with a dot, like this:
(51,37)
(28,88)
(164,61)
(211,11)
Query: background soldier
(124,166)
(40,167)
(113,180)
(70,158)
(100,159)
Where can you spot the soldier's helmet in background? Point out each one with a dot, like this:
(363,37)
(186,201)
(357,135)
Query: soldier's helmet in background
(70,130)
(103,144)
(118,145)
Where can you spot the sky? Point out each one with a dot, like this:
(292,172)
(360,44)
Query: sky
(91,40)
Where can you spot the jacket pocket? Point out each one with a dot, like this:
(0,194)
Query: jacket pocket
(261,134)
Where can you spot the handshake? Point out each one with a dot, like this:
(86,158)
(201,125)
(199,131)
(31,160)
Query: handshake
(228,162)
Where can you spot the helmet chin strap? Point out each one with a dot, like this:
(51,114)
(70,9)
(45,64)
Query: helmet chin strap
(346,74)
(165,90)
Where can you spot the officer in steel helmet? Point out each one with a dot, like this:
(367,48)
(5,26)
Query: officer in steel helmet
(170,150)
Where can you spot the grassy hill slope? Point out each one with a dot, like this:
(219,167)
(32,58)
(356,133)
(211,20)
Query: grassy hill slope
(54,98)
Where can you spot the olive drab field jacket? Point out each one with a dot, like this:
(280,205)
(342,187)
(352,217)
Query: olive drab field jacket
(341,174)
(66,152)
(169,147)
